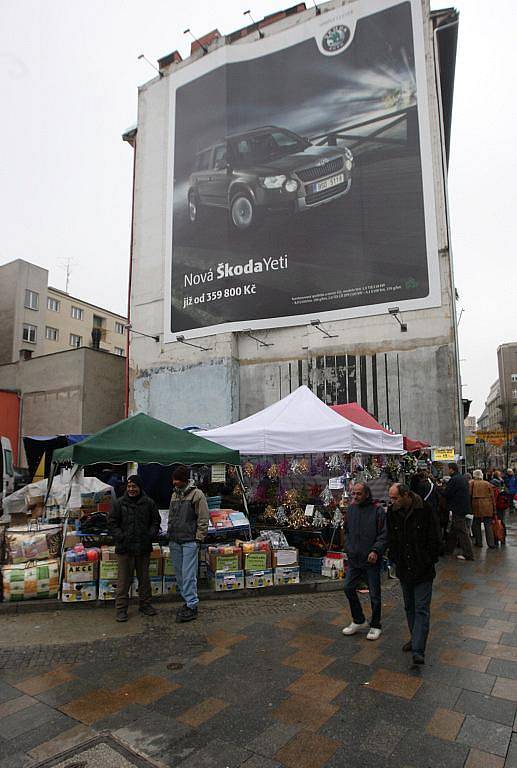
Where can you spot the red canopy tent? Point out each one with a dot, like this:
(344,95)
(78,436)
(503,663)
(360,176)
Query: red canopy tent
(354,412)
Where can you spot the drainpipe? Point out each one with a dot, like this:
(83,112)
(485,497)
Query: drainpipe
(126,406)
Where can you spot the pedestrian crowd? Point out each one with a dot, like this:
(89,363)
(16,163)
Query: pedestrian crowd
(421,523)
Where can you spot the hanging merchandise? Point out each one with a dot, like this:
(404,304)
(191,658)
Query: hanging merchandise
(248,469)
(303,467)
(294,467)
(326,497)
(218,473)
(281,515)
(273,472)
(334,463)
(283,468)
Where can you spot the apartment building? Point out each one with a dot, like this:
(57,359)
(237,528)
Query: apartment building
(37,319)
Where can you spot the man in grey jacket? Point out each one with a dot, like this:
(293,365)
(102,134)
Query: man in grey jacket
(366,540)
(187,529)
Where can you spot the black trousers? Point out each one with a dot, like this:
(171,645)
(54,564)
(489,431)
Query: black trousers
(127,565)
(372,576)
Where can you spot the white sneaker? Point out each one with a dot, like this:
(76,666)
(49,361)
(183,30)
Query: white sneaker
(374,633)
(460,557)
(353,628)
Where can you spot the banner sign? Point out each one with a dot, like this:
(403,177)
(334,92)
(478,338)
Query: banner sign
(300,182)
(443,454)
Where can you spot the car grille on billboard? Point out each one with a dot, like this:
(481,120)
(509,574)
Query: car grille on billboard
(317,197)
(319,171)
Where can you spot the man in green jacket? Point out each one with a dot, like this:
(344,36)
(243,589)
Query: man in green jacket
(187,529)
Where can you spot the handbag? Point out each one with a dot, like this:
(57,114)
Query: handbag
(498,529)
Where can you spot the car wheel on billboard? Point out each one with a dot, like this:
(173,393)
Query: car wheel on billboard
(194,208)
(243,213)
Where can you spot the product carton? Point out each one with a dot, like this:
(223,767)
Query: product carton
(170,585)
(108,570)
(155,567)
(285,557)
(107,589)
(287,574)
(257,579)
(156,586)
(257,561)
(225,581)
(77,572)
(156,553)
(228,562)
(333,566)
(79,592)
(108,553)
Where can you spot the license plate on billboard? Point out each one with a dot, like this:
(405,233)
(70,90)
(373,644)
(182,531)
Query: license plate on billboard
(328,183)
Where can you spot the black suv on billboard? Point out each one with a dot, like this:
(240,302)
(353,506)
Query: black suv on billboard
(267,169)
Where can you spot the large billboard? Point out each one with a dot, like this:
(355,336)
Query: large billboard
(300,182)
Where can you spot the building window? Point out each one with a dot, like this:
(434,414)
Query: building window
(52,334)
(514,394)
(31,299)
(98,321)
(77,313)
(53,304)
(119,351)
(75,340)
(514,377)
(30,333)
(119,327)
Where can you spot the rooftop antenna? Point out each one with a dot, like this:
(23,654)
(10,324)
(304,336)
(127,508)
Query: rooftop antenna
(261,34)
(188,32)
(67,265)
(141,56)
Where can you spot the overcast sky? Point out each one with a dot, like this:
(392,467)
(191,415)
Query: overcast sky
(68,81)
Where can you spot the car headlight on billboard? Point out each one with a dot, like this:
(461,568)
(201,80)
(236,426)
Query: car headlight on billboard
(291,185)
(273,182)
(348,164)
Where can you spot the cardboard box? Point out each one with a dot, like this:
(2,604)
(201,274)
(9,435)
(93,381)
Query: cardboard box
(156,553)
(108,570)
(156,567)
(285,557)
(224,581)
(167,566)
(170,585)
(80,592)
(107,589)
(156,586)
(72,540)
(77,572)
(225,562)
(287,574)
(258,579)
(108,553)
(257,561)
(333,566)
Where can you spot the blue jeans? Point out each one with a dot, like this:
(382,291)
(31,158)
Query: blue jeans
(184,559)
(372,576)
(417,602)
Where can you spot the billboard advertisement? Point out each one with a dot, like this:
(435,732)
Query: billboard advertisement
(300,180)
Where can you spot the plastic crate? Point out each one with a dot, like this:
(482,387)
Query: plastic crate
(313,564)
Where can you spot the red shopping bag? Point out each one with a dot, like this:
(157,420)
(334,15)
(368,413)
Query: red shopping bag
(498,529)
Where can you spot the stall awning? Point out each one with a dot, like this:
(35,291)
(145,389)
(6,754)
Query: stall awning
(145,440)
(354,412)
(302,423)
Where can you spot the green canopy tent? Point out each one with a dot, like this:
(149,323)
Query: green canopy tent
(145,440)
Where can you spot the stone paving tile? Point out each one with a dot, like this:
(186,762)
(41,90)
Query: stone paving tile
(501,625)
(11,706)
(380,737)
(505,688)
(34,685)
(310,642)
(308,661)
(7,692)
(485,735)
(93,706)
(305,712)
(394,683)
(209,656)
(200,713)
(306,750)
(464,660)
(152,733)
(217,753)
(368,655)
(511,756)
(61,694)
(225,639)
(258,761)
(145,690)
(478,759)
(269,741)
(503,668)
(445,724)
(320,687)
(38,734)
(17,724)
(121,718)
(66,740)
(437,695)
(486,707)
(419,750)
(498,651)
(17,760)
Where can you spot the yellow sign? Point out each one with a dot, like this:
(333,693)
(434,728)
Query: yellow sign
(470,439)
(442,454)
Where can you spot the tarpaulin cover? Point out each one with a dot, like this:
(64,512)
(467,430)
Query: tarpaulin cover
(145,440)
(354,412)
(36,445)
(302,423)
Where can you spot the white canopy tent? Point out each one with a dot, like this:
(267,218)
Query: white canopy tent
(302,423)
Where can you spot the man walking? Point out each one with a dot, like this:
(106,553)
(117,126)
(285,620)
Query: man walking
(134,523)
(414,546)
(483,508)
(187,529)
(457,499)
(365,531)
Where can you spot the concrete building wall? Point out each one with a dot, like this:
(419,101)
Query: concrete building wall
(410,380)
(103,390)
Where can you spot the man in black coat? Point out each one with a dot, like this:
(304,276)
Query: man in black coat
(457,499)
(414,546)
(365,532)
(134,522)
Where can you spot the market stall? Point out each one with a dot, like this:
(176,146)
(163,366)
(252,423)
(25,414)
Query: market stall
(354,412)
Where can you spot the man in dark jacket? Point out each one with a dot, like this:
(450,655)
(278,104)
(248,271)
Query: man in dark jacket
(365,531)
(457,499)
(414,546)
(187,529)
(134,522)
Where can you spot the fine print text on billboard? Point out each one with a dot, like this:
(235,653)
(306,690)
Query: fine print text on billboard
(300,175)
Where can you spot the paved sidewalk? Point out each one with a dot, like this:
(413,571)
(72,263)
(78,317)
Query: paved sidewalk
(272,683)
